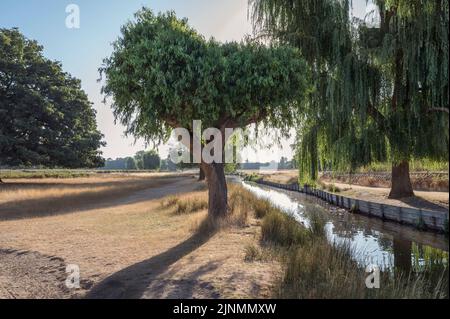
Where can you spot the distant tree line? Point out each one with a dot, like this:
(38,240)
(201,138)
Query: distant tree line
(143,160)
(284,163)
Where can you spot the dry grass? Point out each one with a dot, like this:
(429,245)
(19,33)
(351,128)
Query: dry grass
(282,177)
(317,269)
(31,198)
(127,231)
(261,207)
(187,204)
(338,276)
(140,246)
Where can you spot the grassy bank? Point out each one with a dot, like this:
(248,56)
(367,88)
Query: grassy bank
(315,268)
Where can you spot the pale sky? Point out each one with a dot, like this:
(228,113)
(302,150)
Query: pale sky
(82,50)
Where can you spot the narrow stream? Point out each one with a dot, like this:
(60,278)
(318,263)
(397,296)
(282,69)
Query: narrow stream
(373,241)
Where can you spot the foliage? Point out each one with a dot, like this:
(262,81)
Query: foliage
(281,229)
(46,118)
(168,165)
(131,164)
(253,177)
(380,91)
(143,161)
(148,160)
(163,74)
(231,168)
(117,164)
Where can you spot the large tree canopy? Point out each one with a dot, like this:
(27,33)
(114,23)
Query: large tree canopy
(45,117)
(163,74)
(381,90)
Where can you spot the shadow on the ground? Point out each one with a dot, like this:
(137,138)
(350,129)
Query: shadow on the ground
(422,203)
(166,287)
(25,184)
(128,193)
(133,282)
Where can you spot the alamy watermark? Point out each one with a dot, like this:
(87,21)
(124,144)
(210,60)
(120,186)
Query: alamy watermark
(73,277)
(73,16)
(373,280)
(211,145)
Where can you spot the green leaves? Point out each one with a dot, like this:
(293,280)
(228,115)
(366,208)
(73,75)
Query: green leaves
(378,91)
(163,74)
(45,117)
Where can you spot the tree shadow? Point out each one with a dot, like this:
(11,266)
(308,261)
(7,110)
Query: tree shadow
(133,281)
(59,205)
(422,203)
(185,287)
(19,184)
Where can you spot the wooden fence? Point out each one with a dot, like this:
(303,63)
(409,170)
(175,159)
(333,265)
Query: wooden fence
(437,221)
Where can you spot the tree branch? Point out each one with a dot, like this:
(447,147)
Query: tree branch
(377,116)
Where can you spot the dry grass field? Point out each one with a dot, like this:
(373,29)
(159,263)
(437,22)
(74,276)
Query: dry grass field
(126,239)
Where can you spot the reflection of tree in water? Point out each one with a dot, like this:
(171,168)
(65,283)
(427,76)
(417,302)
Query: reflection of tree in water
(343,225)
(420,261)
(408,257)
(426,258)
(346,226)
(402,255)
(386,244)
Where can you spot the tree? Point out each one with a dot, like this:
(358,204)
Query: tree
(283,163)
(131,164)
(46,118)
(381,89)
(201,174)
(151,160)
(139,158)
(163,75)
(117,164)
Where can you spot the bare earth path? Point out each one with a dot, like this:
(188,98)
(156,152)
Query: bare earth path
(127,246)
(438,201)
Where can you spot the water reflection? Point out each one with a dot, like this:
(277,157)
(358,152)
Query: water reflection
(373,241)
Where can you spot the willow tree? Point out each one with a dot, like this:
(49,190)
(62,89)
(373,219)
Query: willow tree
(381,90)
(163,75)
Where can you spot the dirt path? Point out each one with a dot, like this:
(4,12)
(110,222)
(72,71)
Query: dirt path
(130,247)
(438,201)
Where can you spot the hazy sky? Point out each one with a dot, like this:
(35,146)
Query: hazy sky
(82,50)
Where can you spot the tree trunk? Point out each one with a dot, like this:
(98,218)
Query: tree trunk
(402,255)
(201,175)
(217,189)
(401,183)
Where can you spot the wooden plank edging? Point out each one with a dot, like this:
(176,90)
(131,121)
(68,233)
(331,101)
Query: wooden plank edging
(427,219)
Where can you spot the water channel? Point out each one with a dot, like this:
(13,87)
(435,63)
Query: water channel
(373,241)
